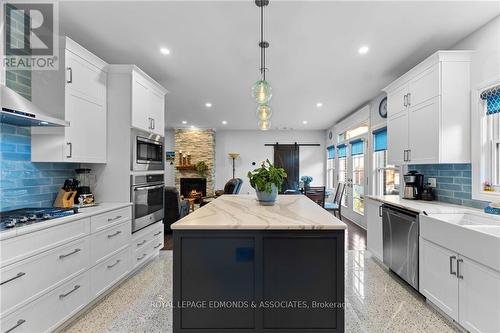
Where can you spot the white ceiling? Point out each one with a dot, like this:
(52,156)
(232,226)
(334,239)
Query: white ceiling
(312,57)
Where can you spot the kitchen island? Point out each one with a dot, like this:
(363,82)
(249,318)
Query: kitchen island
(243,267)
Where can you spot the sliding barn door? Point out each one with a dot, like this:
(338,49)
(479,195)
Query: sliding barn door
(287,157)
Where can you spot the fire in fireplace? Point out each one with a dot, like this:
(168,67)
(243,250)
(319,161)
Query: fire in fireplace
(193,187)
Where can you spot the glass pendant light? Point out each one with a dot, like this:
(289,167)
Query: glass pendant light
(265,125)
(264,112)
(262,92)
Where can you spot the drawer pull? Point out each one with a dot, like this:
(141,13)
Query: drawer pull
(19,323)
(69,292)
(116,263)
(114,218)
(115,234)
(62,256)
(13,278)
(141,257)
(141,243)
(157,246)
(158,233)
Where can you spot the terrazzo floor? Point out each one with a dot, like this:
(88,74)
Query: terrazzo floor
(376,301)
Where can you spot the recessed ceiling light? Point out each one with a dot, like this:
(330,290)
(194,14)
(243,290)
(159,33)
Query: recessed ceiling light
(192,126)
(224,122)
(363,49)
(304,122)
(319,104)
(164,51)
(208,104)
(184,122)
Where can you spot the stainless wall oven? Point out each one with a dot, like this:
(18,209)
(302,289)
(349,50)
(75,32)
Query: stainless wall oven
(147,151)
(147,199)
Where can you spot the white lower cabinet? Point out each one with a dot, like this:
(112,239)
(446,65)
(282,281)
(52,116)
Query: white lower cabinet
(438,277)
(107,273)
(465,290)
(105,243)
(479,297)
(51,310)
(146,243)
(65,262)
(373,216)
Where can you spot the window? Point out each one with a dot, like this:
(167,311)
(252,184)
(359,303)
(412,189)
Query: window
(342,154)
(386,176)
(330,167)
(358,175)
(352,133)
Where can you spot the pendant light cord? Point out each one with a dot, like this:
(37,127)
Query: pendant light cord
(262,47)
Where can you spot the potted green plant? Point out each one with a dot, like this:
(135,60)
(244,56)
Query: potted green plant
(267,181)
(201,168)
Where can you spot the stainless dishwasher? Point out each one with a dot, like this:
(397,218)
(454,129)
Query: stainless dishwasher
(400,242)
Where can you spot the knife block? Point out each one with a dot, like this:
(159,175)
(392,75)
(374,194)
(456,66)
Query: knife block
(65,199)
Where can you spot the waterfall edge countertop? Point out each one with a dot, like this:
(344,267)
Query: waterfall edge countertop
(243,212)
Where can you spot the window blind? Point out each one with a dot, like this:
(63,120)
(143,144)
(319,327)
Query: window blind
(492,98)
(331,152)
(380,139)
(342,150)
(357,147)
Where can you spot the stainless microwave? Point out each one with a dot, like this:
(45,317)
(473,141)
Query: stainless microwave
(147,151)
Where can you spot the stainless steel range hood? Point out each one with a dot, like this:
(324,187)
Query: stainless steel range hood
(17,110)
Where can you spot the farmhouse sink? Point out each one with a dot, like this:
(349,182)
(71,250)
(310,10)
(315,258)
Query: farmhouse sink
(475,235)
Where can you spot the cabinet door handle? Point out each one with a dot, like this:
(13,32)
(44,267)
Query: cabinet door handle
(62,256)
(141,257)
(404,155)
(18,275)
(405,99)
(70,73)
(157,234)
(141,243)
(458,269)
(114,218)
(451,265)
(116,263)
(153,122)
(380,211)
(70,149)
(115,234)
(157,246)
(409,155)
(69,292)
(408,99)
(19,323)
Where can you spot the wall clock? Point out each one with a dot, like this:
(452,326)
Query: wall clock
(382,108)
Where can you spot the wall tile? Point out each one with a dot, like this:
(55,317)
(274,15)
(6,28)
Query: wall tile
(23,183)
(454,182)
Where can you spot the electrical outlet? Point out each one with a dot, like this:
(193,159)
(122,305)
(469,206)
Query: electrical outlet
(431,182)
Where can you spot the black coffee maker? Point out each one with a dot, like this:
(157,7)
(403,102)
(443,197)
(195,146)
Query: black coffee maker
(414,185)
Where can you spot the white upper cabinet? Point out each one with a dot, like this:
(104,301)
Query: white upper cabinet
(75,92)
(148,103)
(429,111)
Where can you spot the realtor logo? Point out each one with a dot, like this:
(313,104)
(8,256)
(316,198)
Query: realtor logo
(30,37)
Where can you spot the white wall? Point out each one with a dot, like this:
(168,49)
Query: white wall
(169,168)
(486,59)
(250,145)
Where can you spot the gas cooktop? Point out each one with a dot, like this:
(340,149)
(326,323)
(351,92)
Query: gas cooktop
(26,216)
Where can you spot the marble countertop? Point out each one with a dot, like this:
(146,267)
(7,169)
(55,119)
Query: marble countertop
(82,213)
(243,212)
(420,206)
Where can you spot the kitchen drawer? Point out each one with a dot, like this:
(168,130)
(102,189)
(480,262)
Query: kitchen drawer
(52,309)
(142,254)
(21,247)
(142,237)
(108,241)
(108,219)
(110,271)
(29,278)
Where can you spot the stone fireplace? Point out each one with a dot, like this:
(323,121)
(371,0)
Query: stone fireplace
(200,144)
(193,187)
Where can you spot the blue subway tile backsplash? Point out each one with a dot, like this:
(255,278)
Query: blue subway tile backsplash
(453,181)
(22,182)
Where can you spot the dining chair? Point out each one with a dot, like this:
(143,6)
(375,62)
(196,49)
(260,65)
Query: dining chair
(336,205)
(316,194)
